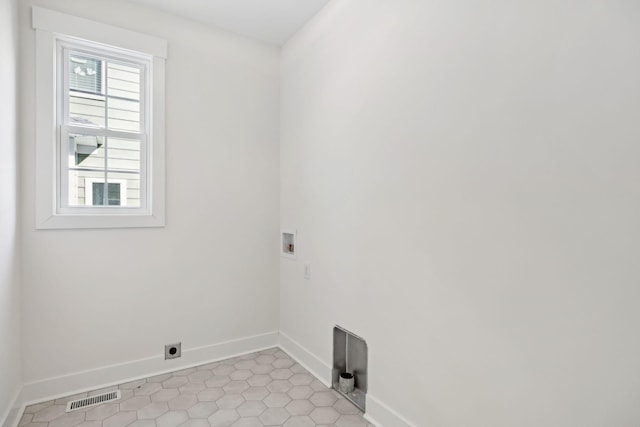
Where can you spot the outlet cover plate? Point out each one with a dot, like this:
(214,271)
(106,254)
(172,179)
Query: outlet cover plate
(172,351)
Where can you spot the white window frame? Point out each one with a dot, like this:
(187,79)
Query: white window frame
(54,30)
(64,47)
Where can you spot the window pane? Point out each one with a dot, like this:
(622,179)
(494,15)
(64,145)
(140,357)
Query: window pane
(128,188)
(123,155)
(85,74)
(123,81)
(86,163)
(104,94)
(87,151)
(86,110)
(81,186)
(123,90)
(86,91)
(124,115)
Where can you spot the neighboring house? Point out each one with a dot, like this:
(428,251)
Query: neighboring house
(103,94)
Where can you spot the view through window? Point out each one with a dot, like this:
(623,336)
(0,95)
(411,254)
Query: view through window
(105,134)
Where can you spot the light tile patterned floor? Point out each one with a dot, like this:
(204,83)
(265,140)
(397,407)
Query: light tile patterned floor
(261,389)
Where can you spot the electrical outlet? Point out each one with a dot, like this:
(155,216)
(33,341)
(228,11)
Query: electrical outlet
(172,351)
(307,270)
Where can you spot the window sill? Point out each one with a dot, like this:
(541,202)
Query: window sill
(84,221)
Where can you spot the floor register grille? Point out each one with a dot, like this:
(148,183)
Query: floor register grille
(86,402)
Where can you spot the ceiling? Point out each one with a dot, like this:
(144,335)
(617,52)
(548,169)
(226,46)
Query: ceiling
(272,21)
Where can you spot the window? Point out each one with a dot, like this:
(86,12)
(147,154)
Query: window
(102,118)
(103,165)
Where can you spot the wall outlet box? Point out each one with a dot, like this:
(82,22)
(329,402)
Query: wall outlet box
(172,351)
(288,244)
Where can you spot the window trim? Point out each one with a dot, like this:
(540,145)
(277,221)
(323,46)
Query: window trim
(52,27)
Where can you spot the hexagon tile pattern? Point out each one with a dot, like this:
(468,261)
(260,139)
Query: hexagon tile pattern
(267,388)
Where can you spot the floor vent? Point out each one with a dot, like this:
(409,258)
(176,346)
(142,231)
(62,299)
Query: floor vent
(85,402)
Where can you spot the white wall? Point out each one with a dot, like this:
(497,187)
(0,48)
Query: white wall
(94,298)
(10,367)
(464,179)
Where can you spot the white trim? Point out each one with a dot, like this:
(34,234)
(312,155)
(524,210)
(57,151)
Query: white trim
(93,379)
(382,415)
(156,151)
(57,22)
(312,363)
(14,412)
(49,28)
(46,162)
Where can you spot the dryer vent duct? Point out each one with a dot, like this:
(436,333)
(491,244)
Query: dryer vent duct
(350,357)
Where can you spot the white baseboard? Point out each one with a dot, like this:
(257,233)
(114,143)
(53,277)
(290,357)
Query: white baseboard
(14,411)
(382,415)
(316,366)
(377,413)
(79,382)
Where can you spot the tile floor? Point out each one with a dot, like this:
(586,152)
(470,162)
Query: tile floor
(261,389)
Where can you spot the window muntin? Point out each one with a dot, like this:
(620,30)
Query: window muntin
(103,133)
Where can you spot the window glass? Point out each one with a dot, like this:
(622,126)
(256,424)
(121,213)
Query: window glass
(114,105)
(104,99)
(96,159)
(85,74)
(124,90)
